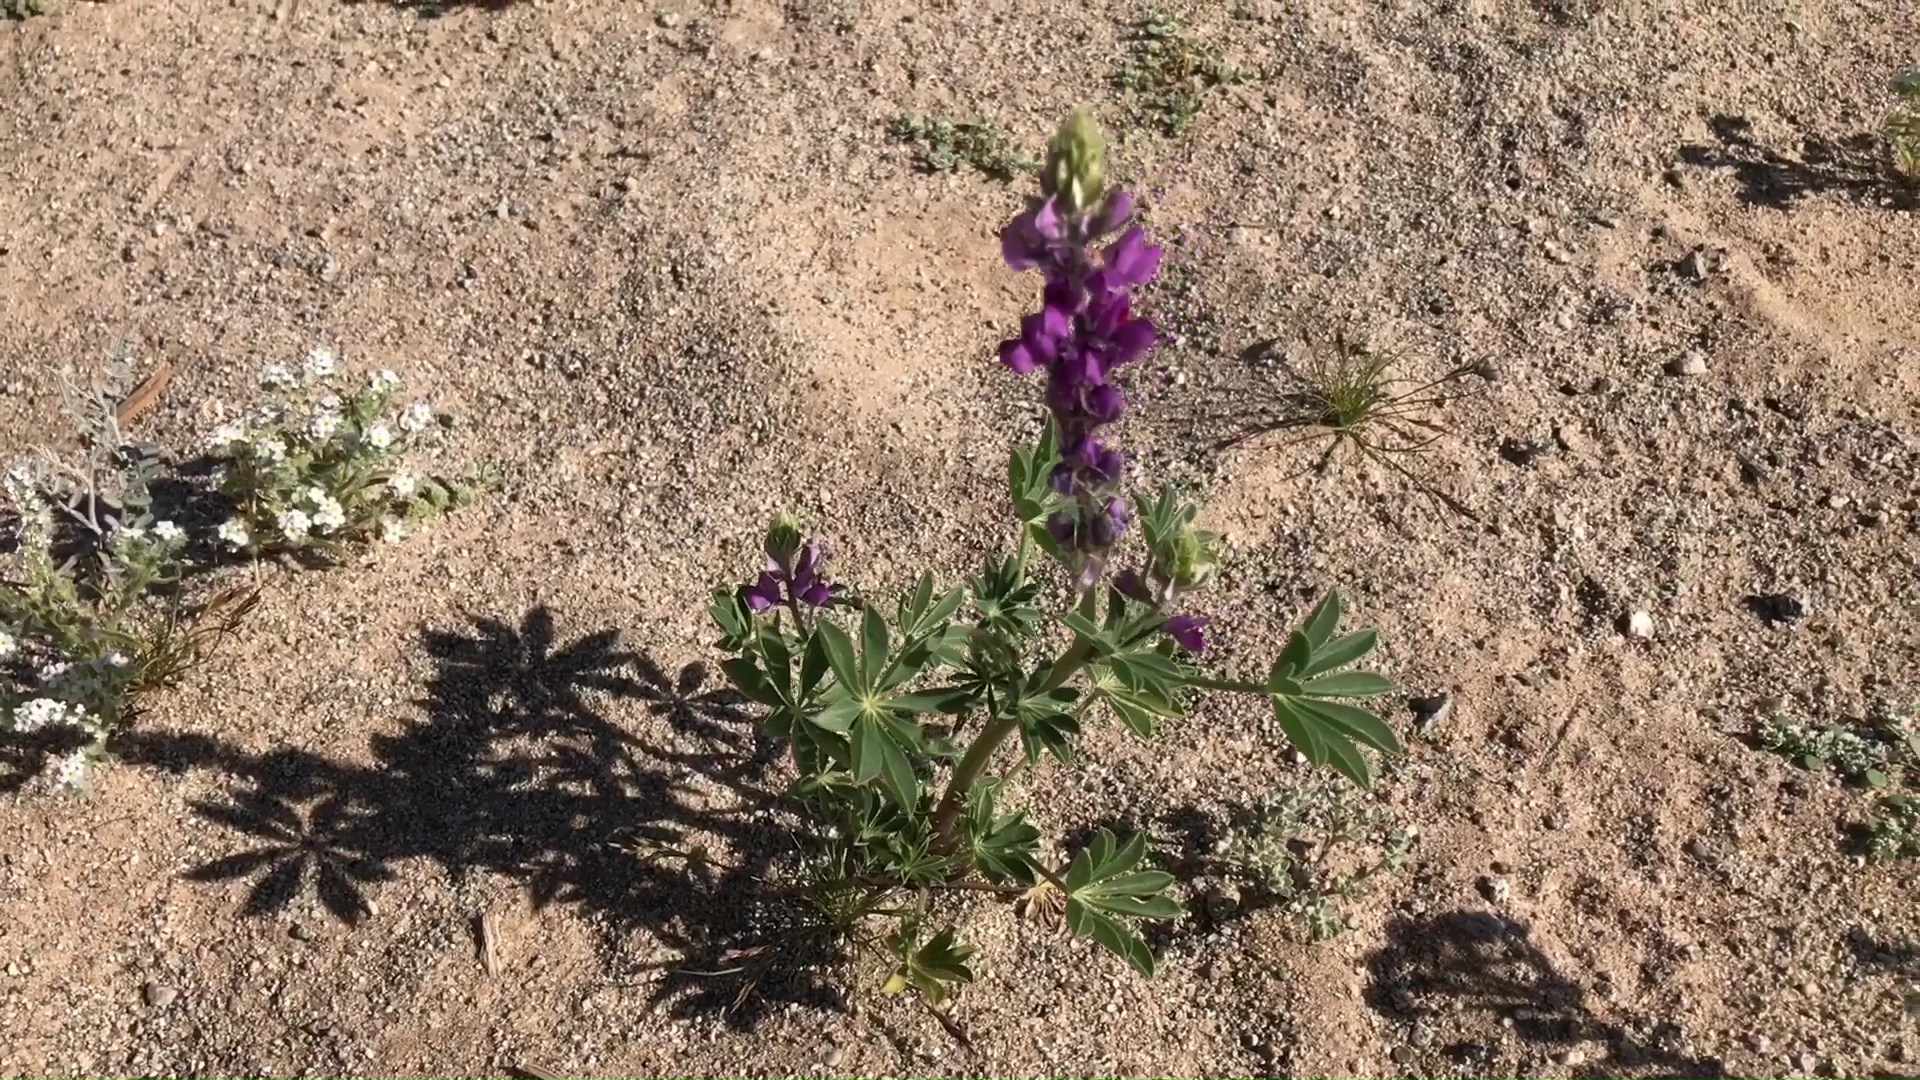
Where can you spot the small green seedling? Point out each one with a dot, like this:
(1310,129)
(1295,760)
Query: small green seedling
(946,145)
(1168,74)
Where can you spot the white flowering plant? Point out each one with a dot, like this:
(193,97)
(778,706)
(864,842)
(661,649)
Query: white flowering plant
(91,610)
(324,464)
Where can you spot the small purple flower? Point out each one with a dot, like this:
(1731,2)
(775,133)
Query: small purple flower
(778,585)
(1132,586)
(1188,631)
(764,593)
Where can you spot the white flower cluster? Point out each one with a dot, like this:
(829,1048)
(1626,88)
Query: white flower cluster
(316,462)
(328,514)
(71,772)
(403,485)
(36,516)
(41,713)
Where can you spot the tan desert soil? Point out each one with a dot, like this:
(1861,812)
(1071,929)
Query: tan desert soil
(667,265)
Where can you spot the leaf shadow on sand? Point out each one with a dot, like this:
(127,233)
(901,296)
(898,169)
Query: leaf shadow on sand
(1467,962)
(516,771)
(1857,167)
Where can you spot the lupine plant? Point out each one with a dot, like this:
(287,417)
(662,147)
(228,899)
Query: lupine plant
(897,716)
(323,465)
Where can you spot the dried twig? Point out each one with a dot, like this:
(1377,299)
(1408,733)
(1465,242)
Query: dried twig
(144,395)
(489,954)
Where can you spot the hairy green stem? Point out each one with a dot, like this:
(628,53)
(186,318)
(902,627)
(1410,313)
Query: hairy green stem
(1232,686)
(946,818)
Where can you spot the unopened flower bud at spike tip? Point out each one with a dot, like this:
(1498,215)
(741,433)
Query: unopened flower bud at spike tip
(1075,171)
(1194,559)
(784,540)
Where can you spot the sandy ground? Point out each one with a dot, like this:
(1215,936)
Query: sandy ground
(667,264)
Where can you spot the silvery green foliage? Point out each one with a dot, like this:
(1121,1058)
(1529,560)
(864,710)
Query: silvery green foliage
(324,464)
(1877,754)
(1903,123)
(88,611)
(1315,844)
(1893,828)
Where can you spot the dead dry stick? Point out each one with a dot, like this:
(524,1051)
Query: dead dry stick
(489,955)
(144,395)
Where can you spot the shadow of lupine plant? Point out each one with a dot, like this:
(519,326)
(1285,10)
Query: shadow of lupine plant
(1466,962)
(1857,167)
(674,832)
(320,844)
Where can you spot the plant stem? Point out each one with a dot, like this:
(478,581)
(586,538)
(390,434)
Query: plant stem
(1229,685)
(965,775)
(947,817)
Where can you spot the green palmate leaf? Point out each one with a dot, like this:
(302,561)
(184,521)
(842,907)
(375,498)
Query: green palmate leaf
(878,753)
(873,647)
(1320,624)
(735,622)
(813,665)
(1103,886)
(951,699)
(1118,938)
(838,716)
(745,675)
(932,968)
(1081,625)
(1338,653)
(1046,723)
(778,655)
(839,649)
(1004,846)
(1348,684)
(921,613)
(912,604)
(1328,732)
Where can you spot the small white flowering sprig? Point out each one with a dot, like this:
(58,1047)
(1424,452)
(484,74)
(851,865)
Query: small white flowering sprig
(323,465)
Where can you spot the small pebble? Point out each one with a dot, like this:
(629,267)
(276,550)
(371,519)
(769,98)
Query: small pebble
(1690,365)
(667,19)
(831,1059)
(159,995)
(1639,625)
(1402,1054)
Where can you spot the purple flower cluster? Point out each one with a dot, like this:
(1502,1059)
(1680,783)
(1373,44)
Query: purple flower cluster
(800,583)
(1084,330)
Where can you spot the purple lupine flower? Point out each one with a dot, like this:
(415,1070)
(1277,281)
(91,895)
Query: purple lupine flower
(1085,329)
(1188,631)
(801,583)
(1131,585)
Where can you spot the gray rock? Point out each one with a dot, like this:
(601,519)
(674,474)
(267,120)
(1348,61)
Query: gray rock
(160,995)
